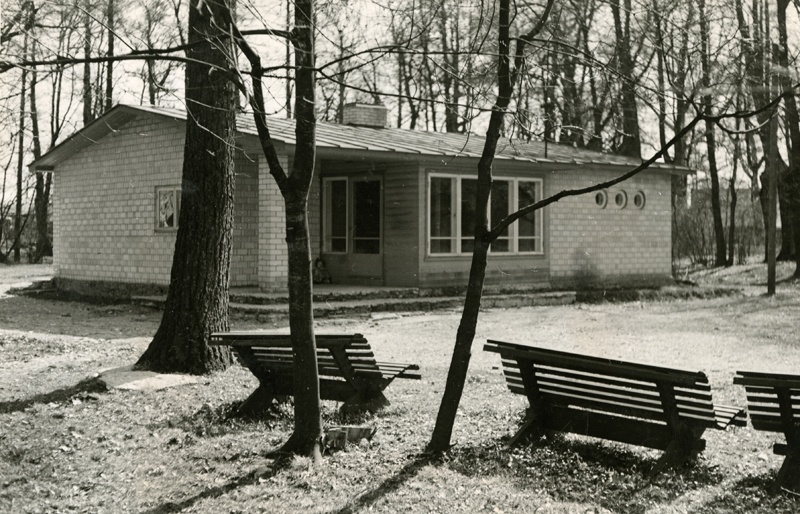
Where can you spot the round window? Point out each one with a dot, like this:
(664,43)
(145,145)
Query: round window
(621,199)
(601,199)
(639,200)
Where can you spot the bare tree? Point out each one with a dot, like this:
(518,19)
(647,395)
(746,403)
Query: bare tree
(294,186)
(507,75)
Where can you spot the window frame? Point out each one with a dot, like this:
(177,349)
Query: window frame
(176,190)
(327,247)
(350,208)
(456,238)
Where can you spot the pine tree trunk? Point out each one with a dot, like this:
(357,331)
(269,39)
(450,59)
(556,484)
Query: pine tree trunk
(197,302)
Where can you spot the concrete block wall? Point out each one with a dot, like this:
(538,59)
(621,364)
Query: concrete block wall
(273,271)
(589,245)
(244,254)
(104,205)
(314,217)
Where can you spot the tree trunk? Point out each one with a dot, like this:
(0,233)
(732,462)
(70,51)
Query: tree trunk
(88,112)
(307,436)
(197,302)
(792,204)
(110,65)
(631,143)
(41,196)
(732,217)
(20,155)
(294,187)
(716,206)
(462,352)
(711,141)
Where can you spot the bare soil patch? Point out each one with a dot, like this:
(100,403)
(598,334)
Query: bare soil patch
(67,445)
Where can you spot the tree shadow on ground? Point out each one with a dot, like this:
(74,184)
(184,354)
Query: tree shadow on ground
(754,493)
(81,389)
(261,473)
(571,470)
(226,418)
(388,486)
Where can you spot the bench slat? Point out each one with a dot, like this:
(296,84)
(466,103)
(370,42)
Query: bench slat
(513,368)
(595,424)
(579,362)
(640,390)
(767,380)
(628,396)
(604,379)
(653,411)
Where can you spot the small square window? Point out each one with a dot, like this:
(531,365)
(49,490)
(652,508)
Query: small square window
(168,207)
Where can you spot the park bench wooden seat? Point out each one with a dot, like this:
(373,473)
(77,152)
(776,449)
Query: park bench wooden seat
(348,371)
(773,403)
(639,404)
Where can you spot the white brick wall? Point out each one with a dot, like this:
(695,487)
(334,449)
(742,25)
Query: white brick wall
(244,255)
(104,208)
(273,262)
(104,212)
(104,205)
(589,244)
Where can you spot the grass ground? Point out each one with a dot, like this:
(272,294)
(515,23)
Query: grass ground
(66,445)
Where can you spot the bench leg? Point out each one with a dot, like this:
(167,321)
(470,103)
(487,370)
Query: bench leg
(686,446)
(530,428)
(789,474)
(373,401)
(260,401)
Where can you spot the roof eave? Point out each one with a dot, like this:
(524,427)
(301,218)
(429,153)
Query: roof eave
(113,120)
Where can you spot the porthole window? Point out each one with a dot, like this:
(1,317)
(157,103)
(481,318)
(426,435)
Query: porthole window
(601,199)
(620,199)
(639,200)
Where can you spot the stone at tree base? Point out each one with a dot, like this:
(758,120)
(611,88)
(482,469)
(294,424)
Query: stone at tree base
(336,438)
(125,377)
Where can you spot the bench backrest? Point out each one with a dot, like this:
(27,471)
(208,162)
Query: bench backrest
(773,399)
(618,387)
(274,351)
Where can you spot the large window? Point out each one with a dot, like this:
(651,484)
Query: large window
(451,211)
(352,216)
(168,207)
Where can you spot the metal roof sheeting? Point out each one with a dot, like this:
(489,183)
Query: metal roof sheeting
(389,141)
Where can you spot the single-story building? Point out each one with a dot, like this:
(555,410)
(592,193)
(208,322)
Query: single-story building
(388,207)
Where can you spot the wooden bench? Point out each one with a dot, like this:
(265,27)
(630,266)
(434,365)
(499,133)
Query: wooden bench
(655,407)
(773,403)
(348,371)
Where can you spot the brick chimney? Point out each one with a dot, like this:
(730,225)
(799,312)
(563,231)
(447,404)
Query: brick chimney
(364,115)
